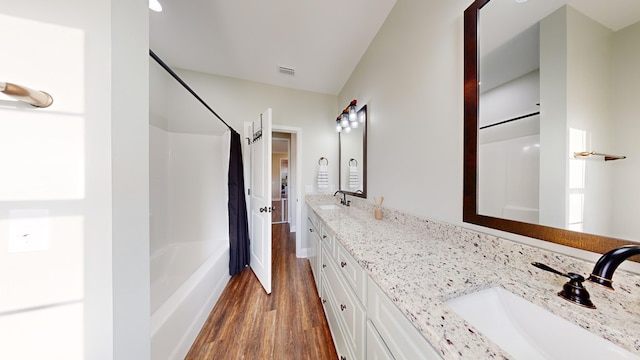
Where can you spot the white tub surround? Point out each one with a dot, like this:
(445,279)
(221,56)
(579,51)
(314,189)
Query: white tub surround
(419,264)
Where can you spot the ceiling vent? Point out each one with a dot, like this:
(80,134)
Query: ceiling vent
(287,70)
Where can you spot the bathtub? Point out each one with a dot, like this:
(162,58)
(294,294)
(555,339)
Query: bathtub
(185,285)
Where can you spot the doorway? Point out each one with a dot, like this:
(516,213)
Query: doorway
(281,144)
(288,174)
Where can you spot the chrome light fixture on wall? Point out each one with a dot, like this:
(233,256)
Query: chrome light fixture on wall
(349,118)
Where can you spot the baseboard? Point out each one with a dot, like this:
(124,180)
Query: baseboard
(302,253)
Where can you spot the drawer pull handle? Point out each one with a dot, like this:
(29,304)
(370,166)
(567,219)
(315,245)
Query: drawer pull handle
(310,230)
(343,264)
(324,236)
(324,266)
(342,357)
(342,307)
(324,301)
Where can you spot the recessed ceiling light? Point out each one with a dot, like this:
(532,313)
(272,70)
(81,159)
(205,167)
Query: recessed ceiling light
(521,1)
(155,5)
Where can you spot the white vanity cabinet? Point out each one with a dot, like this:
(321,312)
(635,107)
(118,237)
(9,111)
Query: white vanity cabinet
(364,323)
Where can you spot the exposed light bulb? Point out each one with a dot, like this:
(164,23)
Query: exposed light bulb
(344,122)
(155,5)
(352,113)
(338,128)
(354,124)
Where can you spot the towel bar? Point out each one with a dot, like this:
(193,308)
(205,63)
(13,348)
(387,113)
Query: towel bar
(607,157)
(34,97)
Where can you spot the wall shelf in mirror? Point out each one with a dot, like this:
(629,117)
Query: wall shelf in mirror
(489,95)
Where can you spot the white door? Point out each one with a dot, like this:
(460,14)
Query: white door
(260,197)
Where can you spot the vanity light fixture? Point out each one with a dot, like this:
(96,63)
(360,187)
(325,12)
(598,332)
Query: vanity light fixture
(344,120)
(352,112)
(155,5)
(349,118)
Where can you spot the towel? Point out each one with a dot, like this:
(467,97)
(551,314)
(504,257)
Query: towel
(323,177)
(354,181)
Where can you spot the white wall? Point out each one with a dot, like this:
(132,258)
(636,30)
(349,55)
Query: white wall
(589,109)
(411,78)
(516,98)
(626,107)
(237,101)
(553,113)
(83,162)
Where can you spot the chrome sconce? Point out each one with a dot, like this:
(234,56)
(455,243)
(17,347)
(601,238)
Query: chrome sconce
(349,118)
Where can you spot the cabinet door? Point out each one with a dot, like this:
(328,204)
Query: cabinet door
(376,349)
(403,340)
(352,272)
(343,348)
(349,310)
(328,239)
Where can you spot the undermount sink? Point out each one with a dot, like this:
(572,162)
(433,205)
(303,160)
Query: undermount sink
(329,207)
(527,331)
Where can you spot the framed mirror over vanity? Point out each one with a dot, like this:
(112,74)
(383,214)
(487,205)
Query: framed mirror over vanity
(353,151)
(552,118)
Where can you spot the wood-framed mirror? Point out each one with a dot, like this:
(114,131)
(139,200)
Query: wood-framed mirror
(533,223)
(353,157)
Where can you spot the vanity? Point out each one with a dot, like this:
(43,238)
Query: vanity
(407,287)
(385,284)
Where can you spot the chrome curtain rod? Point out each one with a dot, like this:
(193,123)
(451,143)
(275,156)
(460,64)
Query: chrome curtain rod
(36,98)
(510,120)
(175,76)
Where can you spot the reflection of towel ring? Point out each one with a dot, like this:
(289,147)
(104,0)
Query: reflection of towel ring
(323,158)
(354,160)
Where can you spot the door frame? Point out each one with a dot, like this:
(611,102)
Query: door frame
(295,200)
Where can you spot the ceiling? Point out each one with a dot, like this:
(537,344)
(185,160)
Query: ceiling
(502,19)
(509,41)
(249,39)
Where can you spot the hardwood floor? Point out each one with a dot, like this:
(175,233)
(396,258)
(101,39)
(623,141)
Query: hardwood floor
(246,323)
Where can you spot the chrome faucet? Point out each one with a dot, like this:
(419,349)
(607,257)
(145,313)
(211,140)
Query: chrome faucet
(602,273)
(344,200)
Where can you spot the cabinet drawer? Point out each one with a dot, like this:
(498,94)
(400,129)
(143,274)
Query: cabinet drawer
(376,349)
(353,272)
(328,238)
(313,227)
(313,218)
(348,309)
(343,348)
(403,340)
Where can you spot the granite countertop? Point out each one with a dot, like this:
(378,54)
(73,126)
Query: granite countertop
(420,264)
